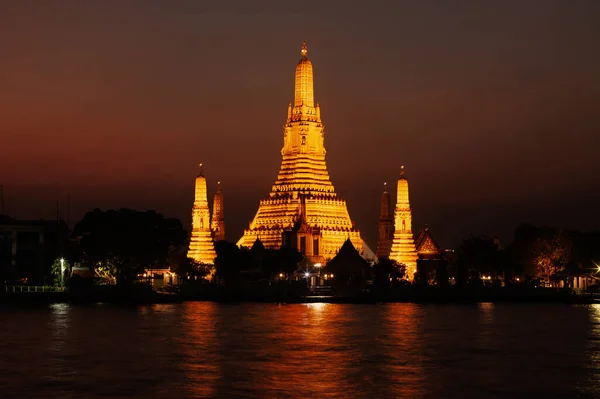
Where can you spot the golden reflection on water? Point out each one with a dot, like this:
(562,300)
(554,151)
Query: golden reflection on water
(311,351)
(201,349)
(198,346)
(485,331)
(401,340)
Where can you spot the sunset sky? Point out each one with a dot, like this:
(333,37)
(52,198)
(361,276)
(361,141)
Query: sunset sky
(492,106)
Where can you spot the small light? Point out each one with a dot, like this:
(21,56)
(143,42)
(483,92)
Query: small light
(307,274)
(280,274)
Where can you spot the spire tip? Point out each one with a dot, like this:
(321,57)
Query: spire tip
(304,50)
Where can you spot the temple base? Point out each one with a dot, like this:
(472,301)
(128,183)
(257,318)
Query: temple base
(404,252)
(202,249)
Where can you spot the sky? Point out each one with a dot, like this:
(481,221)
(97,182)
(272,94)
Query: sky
(492,107)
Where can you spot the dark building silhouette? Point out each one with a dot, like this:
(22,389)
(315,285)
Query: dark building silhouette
(29,247)
(386,226)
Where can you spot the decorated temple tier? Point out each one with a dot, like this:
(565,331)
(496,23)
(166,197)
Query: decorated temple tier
(302,210)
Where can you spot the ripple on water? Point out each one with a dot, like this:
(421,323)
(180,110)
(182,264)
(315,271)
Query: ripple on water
(207,350)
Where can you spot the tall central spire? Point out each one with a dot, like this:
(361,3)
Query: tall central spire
(303,211)
(402,199)
(304,91)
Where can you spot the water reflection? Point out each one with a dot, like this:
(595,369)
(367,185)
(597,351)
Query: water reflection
(197,350)
(400,348)
(198,343)
(266,349)
(60,321)
(590,386)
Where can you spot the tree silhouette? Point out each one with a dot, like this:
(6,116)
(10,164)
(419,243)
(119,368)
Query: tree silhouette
(130,239)
(477,254)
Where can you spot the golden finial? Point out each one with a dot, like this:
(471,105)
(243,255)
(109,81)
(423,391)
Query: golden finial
(402,171)
(201,168)
(304,50)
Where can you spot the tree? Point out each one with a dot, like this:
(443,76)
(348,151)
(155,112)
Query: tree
(551,253)
(441,273)
(388,271)
(519,252)
(230,261)
(282,260)
(106,272)
(477,254)
(60,272)
(131,240)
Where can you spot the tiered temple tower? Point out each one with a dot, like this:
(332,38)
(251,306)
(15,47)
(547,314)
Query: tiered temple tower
(218,216)
(201,243)
(386,226)
(303,210)
(403,244)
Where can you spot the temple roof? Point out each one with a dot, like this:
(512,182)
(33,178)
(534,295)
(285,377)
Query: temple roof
(258,245)
(347,260)
(425,242)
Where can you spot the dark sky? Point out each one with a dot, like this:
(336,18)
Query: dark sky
(492,106)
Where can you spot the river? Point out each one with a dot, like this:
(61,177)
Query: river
(209,350)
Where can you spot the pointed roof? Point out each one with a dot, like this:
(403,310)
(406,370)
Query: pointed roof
(347,260)
(402,198)
(425,242)
(258,245)
(304,89)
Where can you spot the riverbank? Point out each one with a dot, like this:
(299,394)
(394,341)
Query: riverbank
(296,294)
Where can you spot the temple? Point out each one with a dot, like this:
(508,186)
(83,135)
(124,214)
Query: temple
(202,249)
(217,223)
(386,226)
(403,244)
(426,246)
(303,211)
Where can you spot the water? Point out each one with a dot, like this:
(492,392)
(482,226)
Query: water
(201,350)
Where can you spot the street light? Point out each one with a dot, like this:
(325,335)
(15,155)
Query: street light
(62,272)
(318,266)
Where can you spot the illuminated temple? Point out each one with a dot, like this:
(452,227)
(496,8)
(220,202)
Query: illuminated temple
(403,244)
(303,211)
(202,249)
